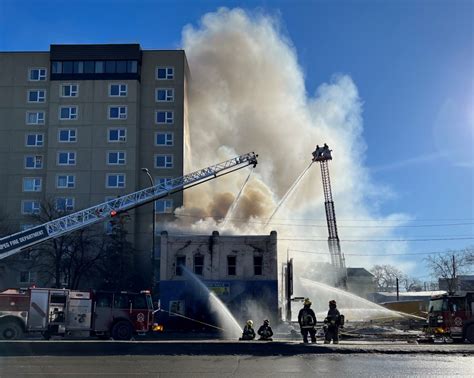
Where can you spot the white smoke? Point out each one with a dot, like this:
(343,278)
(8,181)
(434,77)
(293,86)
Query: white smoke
(247,93)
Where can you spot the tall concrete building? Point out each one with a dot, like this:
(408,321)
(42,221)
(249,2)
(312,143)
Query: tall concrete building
(79,122)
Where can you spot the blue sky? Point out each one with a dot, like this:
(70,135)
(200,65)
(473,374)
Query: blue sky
(412,62)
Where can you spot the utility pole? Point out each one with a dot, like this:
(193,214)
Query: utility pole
(398,290)
(153,237)
(454,274)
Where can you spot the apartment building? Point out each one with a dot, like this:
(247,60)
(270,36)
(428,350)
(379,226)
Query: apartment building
(79,122)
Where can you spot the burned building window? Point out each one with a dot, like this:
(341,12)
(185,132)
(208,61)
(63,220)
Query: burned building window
(180,263)
(231,265)
(258,265)
(198,264)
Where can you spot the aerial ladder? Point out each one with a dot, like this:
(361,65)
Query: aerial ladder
(15,243)
(322,155)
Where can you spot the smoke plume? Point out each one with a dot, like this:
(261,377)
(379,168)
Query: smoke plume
(247,93)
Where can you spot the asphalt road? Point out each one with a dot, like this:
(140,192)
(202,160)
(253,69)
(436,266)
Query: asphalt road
(327,365)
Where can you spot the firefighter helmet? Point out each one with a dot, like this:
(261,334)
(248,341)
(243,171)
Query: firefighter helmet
(332,302)
(307,302)
(250,323)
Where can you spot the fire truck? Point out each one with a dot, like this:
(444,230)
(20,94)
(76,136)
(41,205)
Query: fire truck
(61,312)
(451,316)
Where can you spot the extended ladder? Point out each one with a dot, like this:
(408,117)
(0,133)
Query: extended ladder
(14,243)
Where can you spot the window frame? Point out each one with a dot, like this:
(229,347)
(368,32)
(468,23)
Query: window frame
(119,118)
(124,158)
(36,187)
(165,166)
(167,206)
(119,129)
(33,202)
(119,90)
(166,100)
(69,135)
(178,266)
(199,266)
(68,186)
(70,85)
(255,265)
(168,75)
(38,120)
(40,76)
(67,207)
(166,134)
(25,165)
(70,161)
(72,116)
(118,183)
(38,90)
(36,140)
(168,120)
(234,266)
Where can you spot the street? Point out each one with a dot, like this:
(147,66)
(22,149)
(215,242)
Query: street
(249,366)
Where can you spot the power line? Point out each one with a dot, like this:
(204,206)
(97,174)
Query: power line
(377,254)
(381,240)
(243,220)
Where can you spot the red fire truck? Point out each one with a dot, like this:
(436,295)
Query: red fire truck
(60,312)
(452,316)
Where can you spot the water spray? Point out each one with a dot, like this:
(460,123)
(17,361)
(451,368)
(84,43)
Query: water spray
(188,318)
(288,192)
(234,204)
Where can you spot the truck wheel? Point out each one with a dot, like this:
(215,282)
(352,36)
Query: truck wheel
(470,333)
(122,330)
(10,331)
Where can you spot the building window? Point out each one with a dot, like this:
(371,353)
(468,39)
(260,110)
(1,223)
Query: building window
(117,112)
(163,161)
(164,206)
(68,112)
(65,204)
(27,277)
(35,118)
(32,184)
(180,264)
(164,139)
(34,140)
(115,180)
(118,90)
(258,265)
(164,94)
(33,161)
(164,73)
(30,207)
(65,181)
(116,158)
(37,95)
(69,90)
(66,158)
(37,74)
(231,265)
(117,135)
(67,135)
(164,117)
(164,182)
(198,264)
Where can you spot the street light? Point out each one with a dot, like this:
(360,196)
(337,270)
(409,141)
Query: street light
(152,182)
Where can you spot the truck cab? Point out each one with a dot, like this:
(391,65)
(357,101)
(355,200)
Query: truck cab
(452,316)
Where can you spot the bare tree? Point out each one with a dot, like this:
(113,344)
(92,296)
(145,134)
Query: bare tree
(117,266)
(65,260)
(412,284)
(386,277)
(449,265)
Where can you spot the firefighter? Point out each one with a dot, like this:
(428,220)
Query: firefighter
(265,331)
(307,321)
(333,321)
(249,333)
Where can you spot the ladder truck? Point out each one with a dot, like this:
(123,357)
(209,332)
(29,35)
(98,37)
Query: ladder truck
(15,243)
(322,155)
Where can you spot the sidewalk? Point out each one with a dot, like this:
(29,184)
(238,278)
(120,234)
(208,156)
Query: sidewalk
(219,347)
